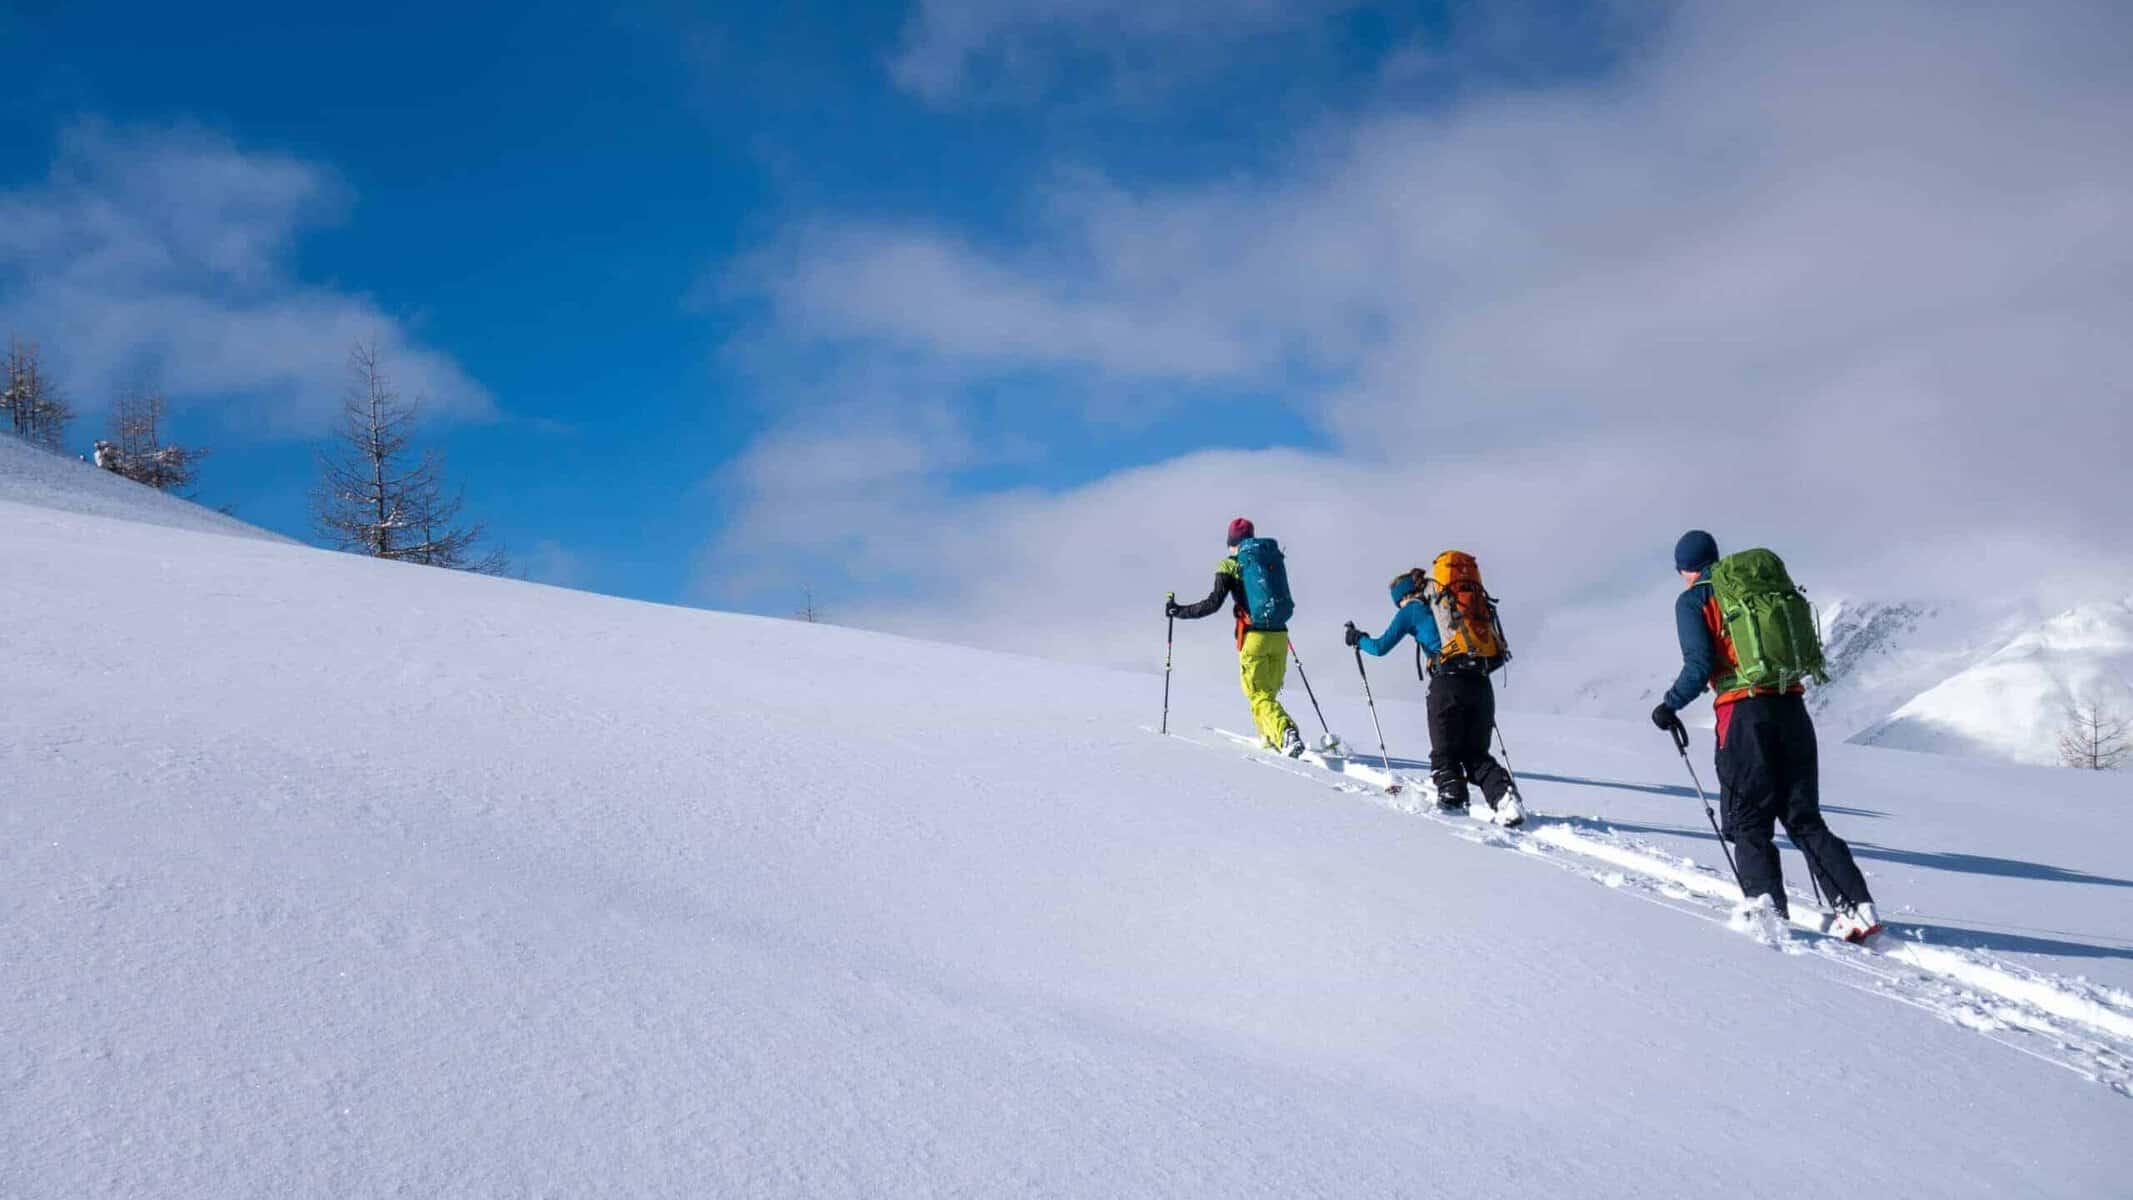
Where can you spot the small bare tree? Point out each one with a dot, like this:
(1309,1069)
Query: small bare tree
(810,611)
(2095,739)
(377,495)
(137,450)
(439,540)
(30,402)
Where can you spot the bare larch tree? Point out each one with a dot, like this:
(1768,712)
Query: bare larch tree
(2095,739)
(137,451)
(440,541)
(30,403)
(377,495)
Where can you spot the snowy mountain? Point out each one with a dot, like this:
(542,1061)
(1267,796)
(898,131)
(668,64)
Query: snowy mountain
(1883,653)
(321,876)
(1972,680)
(2012,703)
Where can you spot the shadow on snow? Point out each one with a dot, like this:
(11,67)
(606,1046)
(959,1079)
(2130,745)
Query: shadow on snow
(1649,789)
(1938,860)
(2008,943)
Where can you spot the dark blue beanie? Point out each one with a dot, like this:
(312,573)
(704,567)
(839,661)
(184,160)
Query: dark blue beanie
(1695,551)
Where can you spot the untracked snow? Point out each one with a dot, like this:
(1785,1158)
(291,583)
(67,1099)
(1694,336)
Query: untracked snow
(321,876)
(34,476)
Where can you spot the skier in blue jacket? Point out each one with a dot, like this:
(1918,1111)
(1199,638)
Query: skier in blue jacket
(1462,709)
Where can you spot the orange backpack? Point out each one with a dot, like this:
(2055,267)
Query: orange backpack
(1467,627)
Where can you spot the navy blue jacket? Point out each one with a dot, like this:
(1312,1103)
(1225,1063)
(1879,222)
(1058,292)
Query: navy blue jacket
(1699,650)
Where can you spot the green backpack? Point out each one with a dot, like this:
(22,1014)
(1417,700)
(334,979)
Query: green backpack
(1767,618)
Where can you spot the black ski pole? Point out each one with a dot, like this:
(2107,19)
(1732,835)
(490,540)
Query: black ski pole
(1681,744)
(1383,757)
(1812,873)
(1170,637)
(1815,868)
(1505,750)
(1330,741)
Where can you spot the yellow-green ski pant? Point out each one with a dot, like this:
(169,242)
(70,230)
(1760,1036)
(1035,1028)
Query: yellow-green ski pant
(1263,661)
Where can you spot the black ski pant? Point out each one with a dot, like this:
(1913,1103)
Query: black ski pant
(1462,715)
(1768,774)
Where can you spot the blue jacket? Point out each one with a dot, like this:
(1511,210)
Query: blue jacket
(1414,617)
(1699,651)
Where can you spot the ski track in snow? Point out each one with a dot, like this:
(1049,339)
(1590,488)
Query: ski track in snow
(2071,1024)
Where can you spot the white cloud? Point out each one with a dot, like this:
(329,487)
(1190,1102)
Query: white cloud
(168,253)
(929,291)
(1848,279)
(864,478)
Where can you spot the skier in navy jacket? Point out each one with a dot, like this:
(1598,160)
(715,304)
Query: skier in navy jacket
(1768,773)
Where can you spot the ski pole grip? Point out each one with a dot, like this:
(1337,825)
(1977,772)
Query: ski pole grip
(1680,736)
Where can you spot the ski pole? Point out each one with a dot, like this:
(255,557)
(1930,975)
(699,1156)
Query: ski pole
(1330,739)
(1170,637)
(1505,750)
(1814,869)
(1681,744)
(1383,757)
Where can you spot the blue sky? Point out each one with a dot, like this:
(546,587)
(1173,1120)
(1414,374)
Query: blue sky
(547,193)
(957,309)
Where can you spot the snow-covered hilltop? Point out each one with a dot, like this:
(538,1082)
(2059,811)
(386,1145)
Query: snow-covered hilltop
(321,876)
(2012,703)
(33,476)
(1972,679)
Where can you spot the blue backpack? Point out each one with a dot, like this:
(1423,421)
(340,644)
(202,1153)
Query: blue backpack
(1266,583)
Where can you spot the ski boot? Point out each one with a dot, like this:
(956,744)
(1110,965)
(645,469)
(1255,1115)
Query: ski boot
(1509,812)
(1855,924)
(1292,743)
(1449,800)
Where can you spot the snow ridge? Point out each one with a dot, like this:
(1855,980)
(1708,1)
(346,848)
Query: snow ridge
(2014,702)
(38,478)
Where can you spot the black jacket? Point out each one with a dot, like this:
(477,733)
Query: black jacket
(1229,585)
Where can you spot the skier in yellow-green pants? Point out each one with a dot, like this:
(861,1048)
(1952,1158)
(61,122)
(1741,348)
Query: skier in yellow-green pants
(1262,635)
(1263,662)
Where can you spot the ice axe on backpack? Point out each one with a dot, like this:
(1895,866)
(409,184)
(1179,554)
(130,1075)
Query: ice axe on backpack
(1329,744)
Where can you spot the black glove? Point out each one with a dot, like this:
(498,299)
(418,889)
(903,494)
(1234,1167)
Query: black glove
(1170,607)
(1667,722)
(1354,636)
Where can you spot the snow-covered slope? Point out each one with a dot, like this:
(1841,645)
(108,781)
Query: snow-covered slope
(1883,653)
(2014,702)
(29,475)
(323,877)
